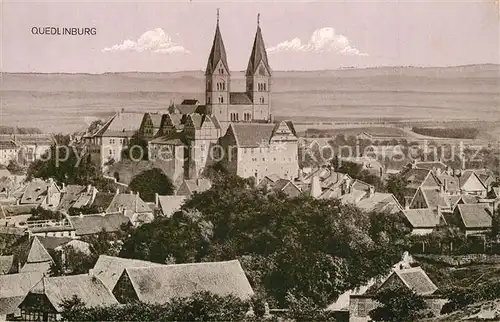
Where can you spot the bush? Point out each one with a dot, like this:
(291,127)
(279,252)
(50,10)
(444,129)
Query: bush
(454,133)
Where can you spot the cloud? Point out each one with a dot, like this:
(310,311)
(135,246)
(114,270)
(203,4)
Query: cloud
(322,40)
(156,41)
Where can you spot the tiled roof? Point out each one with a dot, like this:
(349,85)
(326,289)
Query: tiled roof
(452,183)
(422,218)
(103,200)
(435,198)
(258,55)
(32,139)
(88,288)
(361,185)
(380,202)
(70,196)
(186,109)
(4,173)
(250,135)
(94,224)
(15,287)
(217,54)
(109,269)
(31,251)
(475,215)
(127,201)
(239,98)
(161,284)
(155,119)
(170,204)
(417,280)
(198,185)
(331,193)
(15,210)
(35,192)
(431,165)
(415,177)
(353,197)
(51,243)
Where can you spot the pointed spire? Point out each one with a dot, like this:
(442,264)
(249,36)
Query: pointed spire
(258,53)
(218,52)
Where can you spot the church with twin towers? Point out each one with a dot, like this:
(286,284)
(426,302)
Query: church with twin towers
(236,129)
(254,104)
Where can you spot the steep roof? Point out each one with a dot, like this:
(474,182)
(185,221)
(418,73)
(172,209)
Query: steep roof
(379,202)
(103,200)
(416,177)
(94,224)
(32,251)
(88,288)
(51,243)
(252,135)
(14,285)
(431,165)
(162,283)
(217,53)
(239,98)
(109,269)
(422,218)
(35,192)
(155,119)
(198,185)
(122,124)
(170,204)
(258,55)
(435,198)
(70,196)
(361,185)
(417,280)
(475,215)
(127,201)
(191,101)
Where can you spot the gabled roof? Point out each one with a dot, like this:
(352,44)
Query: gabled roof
(431,165)
(18,284)
(8,145)
(417,280)
(36,191)
(94,224)
(416,177)
(353,197)
(434,198)
(380,202)
(361,185)
(70,196)
(103,200)
(197,185)
(258,55)
(475,215)
(191,101)
(88,288)
(252,135)
(109,269)
(170,204)
(127,201)
(281,184)
(51,243)
(155,119)
(161,284)
(33,252)
(217,54)
(422,218)
(122,124)
(16,210)
(239,98)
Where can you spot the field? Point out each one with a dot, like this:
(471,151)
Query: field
(66,102)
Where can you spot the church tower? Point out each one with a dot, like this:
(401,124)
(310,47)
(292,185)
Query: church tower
(217,79)
(258,78)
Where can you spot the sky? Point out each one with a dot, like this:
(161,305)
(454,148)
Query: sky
(166,36)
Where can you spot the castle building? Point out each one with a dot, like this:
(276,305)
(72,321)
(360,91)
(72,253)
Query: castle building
(234,128)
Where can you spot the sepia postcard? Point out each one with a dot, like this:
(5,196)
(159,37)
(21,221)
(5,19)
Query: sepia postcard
(197,160)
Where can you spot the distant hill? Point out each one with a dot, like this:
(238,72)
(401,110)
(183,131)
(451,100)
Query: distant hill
(60,102)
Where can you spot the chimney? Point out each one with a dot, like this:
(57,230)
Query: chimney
(315,187)
(63,186)
(157,201)
(463,162)
(91,272)
(414,163)
(117,191)
(81,215)
(407,202)
(131,192)
(300,176)
(371,191)
(89,188)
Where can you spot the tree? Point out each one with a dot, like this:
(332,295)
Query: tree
(150,182)
(15,168)
(396,184)
(399,305)
(137,148)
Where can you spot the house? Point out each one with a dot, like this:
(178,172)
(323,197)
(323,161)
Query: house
(435,199)
(423,221)
(280,186)
(168,205)
(187,106)
(109,269)
(465,182)
(462,199)
(424,178)
(437,167)
(8,151)
(160,284)
(32,146)
(191,186)
(372,165)
(380,202)
(35,254)
(113,137)
(473,219)
(86,225)
(45,194)
(14,288)
(132,206)
(257,150)
(44,299)
(150,125)
(413,278)
(70,194)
